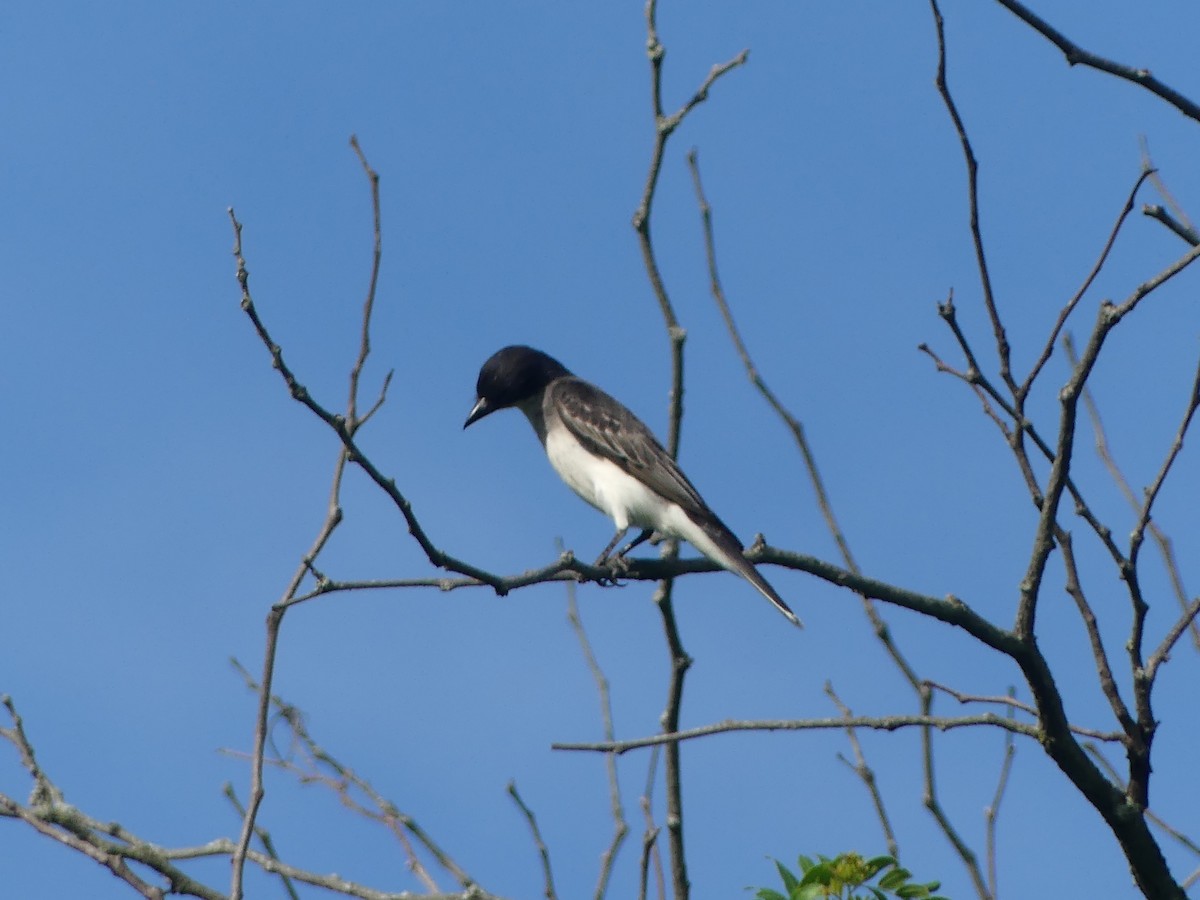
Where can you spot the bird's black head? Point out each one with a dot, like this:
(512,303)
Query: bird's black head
(511,376)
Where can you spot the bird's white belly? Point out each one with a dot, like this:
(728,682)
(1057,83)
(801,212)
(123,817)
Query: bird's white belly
(604,485)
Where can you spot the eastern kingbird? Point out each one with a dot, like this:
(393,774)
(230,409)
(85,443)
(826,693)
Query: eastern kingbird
(609,458)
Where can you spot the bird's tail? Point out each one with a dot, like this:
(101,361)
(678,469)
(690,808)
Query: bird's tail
(726,551)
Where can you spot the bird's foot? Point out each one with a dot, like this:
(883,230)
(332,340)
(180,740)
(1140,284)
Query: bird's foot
(616,565)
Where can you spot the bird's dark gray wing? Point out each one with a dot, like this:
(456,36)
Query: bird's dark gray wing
(605,427)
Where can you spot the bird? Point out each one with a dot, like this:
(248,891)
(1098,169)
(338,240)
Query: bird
(606,455)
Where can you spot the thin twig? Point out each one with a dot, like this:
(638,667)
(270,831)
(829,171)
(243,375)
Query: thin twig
(978,381)
(651,857)
(264,838)
(318,766)
(865,773)
(1103,451)
(114,862)
(1108,318)
(1162,653)
(985,279)
(1066,311)
(1013,703)
(1188,616)
(115,847)
(1185,231)
(1160,185)
(346,426)
(933,804)
(879,626)
(1077,56)
(620,827)
(664,127)
(793,424)
(1108,684)
(543,851)
(364,344)
(1152,492)
(669,721)
(876,723)
(992,813)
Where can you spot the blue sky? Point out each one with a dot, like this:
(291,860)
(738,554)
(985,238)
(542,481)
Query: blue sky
(161,485)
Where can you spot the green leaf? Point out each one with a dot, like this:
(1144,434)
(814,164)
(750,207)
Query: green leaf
(818,873)
(806,864)
(790,881)
(768,894)
(878,863)
(894,878)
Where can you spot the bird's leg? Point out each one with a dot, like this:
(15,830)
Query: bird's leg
(646,534)
(616,564)
(603,558)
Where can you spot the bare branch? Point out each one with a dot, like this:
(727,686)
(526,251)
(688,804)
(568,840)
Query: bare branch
(1013,703)
(264,838)
(115,847)
(1108,684)
(1187,232)
(1152,492)
(1143,674)
(1160,185)
(345,432)
(114,862)
(865,773)
(672,775)
(1102,450)
(317,766)
(1162,654)
(1146,288)
(1109,317)
(364,346)
(989,299)
(543,852)
(972,379)
(650,852)
(992,813)
(877,723)
(933,804)
(1173,832)
(1066,311)
(1077,56)
(664,127)
(620,827)
(793,424)
(879,627)
(979,382)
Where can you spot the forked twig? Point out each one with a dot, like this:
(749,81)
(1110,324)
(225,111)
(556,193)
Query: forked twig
(664,126)
(865,773)
(985,278)
(1104,451)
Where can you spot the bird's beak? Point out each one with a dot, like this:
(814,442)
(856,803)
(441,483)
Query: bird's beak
(478,411)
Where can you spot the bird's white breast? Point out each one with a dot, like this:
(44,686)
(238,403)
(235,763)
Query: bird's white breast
(604,485)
